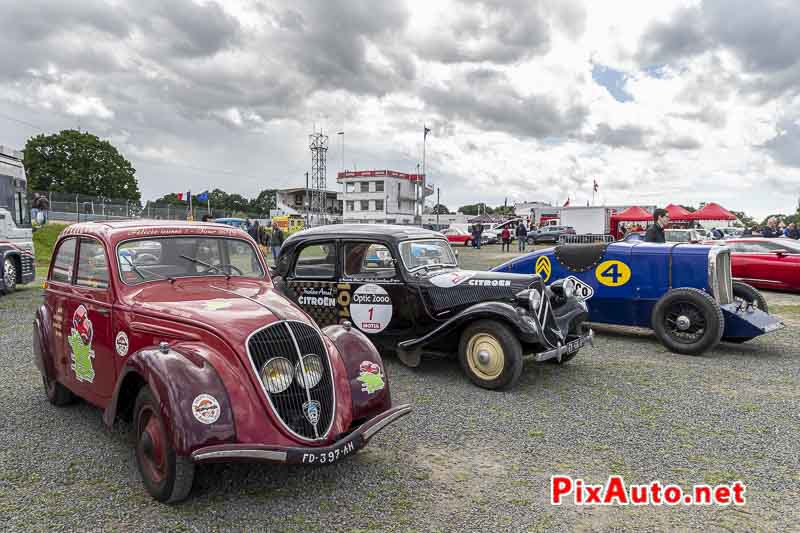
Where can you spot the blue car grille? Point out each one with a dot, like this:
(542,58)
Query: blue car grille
(278,340)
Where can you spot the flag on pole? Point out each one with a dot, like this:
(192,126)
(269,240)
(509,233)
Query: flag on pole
(202,197)
(566,204)
(425,131)
(184,196)
(595,185)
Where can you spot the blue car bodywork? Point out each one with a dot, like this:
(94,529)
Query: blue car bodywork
(623,281)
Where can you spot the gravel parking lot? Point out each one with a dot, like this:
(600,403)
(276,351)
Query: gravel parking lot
(466,460)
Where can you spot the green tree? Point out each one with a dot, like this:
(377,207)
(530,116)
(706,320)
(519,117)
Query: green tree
(744,219)
(266,200)
(475,209)
(440,209)
(78,162)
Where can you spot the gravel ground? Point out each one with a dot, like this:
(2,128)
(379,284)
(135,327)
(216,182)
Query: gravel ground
(465,460)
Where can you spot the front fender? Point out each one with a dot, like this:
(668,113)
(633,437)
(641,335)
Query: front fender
(42,353)
(176,380)
(369,399)
(502,311)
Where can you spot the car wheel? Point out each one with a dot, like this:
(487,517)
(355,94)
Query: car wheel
(9,275)
(688,321)
(467,243)
(57,394)
(167,476)
(490,354)
(747,295)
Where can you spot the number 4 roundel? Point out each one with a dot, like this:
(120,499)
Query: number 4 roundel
(613,273)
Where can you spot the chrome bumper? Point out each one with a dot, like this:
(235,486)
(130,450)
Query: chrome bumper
(557,352)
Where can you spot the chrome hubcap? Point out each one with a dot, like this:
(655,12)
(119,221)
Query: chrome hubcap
(9,273)
(683,323)
(484,357)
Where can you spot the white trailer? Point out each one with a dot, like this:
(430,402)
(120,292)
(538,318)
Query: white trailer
(587,220)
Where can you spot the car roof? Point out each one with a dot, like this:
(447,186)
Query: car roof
(385,231)
(116,231)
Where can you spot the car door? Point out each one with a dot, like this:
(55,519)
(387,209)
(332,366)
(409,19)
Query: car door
(312,282)
(56,295)
(379,300)
(87,324)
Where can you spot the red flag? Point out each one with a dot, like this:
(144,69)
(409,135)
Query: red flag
(180,196)
(566,204)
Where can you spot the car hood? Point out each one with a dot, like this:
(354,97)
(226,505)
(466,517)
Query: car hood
(456,289)
(233,308)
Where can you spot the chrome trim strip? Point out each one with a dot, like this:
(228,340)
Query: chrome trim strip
(267,455)
(386,421)
(757,280)
(300,356)
(266,393)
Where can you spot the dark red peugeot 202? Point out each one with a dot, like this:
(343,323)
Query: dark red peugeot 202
(177,328)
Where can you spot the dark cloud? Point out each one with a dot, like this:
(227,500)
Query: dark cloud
(710,115)
(762,35)
(187,28)
(500,31)
(486,99)
(628,136)
(682,143)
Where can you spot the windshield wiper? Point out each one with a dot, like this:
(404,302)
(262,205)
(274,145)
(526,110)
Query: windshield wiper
(141,271)
(219,268)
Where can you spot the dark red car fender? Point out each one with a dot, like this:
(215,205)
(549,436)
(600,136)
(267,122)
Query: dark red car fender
(176,380)
(354,349)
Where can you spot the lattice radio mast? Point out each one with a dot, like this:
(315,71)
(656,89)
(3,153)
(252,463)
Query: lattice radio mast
(318,143)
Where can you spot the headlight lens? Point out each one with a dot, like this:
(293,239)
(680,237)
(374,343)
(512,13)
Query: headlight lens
(534,300)
(313,374)
(277,374)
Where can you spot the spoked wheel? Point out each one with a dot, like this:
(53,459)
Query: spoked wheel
(688,321)
(9,275)
(166,476)
(490,355)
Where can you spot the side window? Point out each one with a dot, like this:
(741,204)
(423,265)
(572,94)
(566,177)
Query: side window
(316,261)
(65,258)
(368,261)
(92,265)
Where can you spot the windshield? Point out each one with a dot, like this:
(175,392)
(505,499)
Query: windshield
(426,253)
(169,258)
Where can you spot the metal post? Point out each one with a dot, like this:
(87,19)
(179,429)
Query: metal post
(305,201)
(438,208)
(77,210)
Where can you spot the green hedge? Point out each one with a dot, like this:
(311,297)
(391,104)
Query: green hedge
(43,241)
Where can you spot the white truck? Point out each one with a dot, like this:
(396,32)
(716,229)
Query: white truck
(16,235)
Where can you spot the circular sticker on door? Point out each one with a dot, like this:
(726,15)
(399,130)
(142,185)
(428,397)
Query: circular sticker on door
(371,308)
(613,273)
(205,409)
(121,344)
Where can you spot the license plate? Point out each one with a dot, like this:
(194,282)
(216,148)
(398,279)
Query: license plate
(574,345)
(330,455)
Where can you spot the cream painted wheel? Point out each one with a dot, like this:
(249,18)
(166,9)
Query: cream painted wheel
(490,354)
(485,356)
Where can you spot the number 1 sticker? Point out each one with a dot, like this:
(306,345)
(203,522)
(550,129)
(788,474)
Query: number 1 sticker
(613,273)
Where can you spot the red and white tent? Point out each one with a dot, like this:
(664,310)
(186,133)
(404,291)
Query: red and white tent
(712,211)
(678,213)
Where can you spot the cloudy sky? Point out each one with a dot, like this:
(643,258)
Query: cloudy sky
(527,99)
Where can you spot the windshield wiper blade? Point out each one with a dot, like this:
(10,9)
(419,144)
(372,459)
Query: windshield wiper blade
(219,269)
(140,271)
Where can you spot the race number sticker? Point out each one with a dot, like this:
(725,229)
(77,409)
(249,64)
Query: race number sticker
(543,267)
(613,273)
(371,308)
(583,291)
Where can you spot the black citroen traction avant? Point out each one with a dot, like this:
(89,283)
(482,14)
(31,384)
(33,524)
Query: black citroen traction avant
(402,287)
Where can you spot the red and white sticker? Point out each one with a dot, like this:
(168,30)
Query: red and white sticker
(205,409)
(371,308)
(452,279)
(121,344)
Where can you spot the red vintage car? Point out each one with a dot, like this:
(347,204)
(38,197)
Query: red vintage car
(765,263)
(192,344)
(458,236)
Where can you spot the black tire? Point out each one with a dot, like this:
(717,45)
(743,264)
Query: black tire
(505,364)
(468,243)
(704,321)
(57,394)
(167,476)
(749,294)
(9,275)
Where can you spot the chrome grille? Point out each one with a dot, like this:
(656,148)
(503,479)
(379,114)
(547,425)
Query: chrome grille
(719,274)
(293,340)
(27,265)
(547,320)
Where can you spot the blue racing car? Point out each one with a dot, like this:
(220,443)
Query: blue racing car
(684,292)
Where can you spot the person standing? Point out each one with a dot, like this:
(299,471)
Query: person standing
(771,229)
(791,231)
(276,241)
(477,231)
(522,237)
(655,233)
(506,236)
